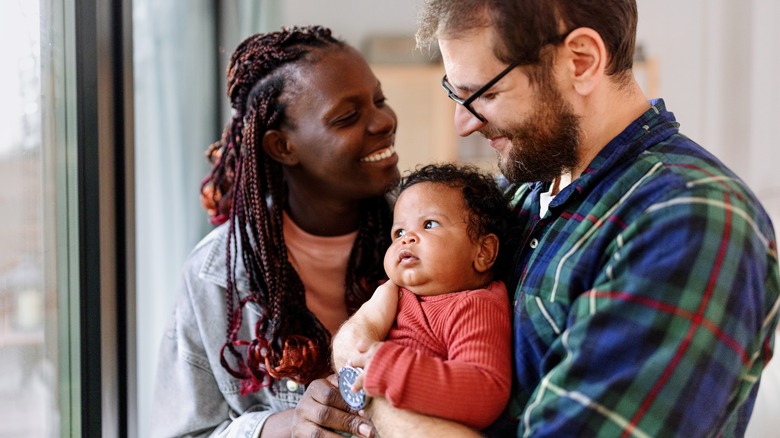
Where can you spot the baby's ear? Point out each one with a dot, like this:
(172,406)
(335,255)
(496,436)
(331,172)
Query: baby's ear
(487,254)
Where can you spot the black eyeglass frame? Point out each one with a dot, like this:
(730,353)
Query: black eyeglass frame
(467,101)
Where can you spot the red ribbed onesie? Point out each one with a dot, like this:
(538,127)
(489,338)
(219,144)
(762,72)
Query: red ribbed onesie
(448,356)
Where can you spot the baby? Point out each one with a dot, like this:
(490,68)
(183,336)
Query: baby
(448,353)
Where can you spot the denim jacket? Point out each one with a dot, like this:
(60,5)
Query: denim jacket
(194,395)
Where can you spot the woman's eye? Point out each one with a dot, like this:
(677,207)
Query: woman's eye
(431,224)
(399,233)
(347,118)
(380,101)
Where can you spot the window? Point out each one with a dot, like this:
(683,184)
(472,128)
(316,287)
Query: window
(29,349)
(64,283)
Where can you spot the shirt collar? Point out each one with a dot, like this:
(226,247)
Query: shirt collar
(651,127)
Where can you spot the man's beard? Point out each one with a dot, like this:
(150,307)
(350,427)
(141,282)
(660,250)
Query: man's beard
(545,145)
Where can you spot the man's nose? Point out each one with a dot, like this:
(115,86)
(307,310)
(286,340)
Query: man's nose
(465,122)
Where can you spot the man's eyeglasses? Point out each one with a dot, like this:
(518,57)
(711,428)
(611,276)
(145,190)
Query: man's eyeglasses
(469,100)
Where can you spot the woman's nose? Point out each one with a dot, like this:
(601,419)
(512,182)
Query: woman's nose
(465,122)
(383,120)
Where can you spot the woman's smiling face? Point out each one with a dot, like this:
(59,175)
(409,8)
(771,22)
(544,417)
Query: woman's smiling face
(340,127)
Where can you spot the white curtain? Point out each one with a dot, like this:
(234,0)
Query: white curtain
(180,108)
(175,92)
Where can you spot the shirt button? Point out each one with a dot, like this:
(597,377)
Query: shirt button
(292,386)
(534,243)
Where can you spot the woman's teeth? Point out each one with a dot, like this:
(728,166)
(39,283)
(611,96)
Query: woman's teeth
(379,155)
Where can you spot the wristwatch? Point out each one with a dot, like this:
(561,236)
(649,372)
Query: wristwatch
(347,376)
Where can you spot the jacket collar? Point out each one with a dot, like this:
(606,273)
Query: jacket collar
(214,268)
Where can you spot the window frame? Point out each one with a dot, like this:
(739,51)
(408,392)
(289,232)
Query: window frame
(94,210)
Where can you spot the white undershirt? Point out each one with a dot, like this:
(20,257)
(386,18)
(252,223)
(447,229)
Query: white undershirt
(544,203)
(546,198)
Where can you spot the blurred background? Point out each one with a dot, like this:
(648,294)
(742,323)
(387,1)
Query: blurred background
(106,108)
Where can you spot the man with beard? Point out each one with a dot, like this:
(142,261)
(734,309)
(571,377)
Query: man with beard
(646,278)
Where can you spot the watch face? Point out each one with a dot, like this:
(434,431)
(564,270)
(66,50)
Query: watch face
(347,376)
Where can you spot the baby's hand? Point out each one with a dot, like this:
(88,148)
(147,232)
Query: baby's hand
(368,325)
(363,360)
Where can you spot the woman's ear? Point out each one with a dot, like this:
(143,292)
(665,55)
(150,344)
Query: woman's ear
(277,146)
(586,58)
(487,254)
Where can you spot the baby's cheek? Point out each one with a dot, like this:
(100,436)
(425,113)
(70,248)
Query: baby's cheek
(390,266)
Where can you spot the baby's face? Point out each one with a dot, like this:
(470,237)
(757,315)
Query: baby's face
(431,252)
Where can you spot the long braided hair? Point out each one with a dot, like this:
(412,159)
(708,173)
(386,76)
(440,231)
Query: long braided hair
(246,187)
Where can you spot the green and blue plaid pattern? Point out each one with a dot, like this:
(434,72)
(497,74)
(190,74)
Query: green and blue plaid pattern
(647,298)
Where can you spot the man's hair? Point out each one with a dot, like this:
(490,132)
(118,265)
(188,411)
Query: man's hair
(523,26)
(246,187)
(488,206)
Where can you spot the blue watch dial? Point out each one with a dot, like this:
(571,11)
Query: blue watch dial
(347,376)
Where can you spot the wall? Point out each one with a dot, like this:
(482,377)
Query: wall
(353,20)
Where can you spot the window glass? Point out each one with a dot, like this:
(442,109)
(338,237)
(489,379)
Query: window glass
(29,398)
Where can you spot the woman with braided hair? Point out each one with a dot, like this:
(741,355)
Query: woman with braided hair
(297,189)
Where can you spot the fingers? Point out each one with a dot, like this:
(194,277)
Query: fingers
(321,411)
(367,351)
(357,385)
(358,360)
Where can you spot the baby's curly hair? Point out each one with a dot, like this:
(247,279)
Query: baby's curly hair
(489,210)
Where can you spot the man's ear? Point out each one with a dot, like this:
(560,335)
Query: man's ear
(277,146)
(586,59)
(487,254)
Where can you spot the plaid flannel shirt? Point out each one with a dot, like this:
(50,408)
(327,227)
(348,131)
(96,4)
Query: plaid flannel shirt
(646,298)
